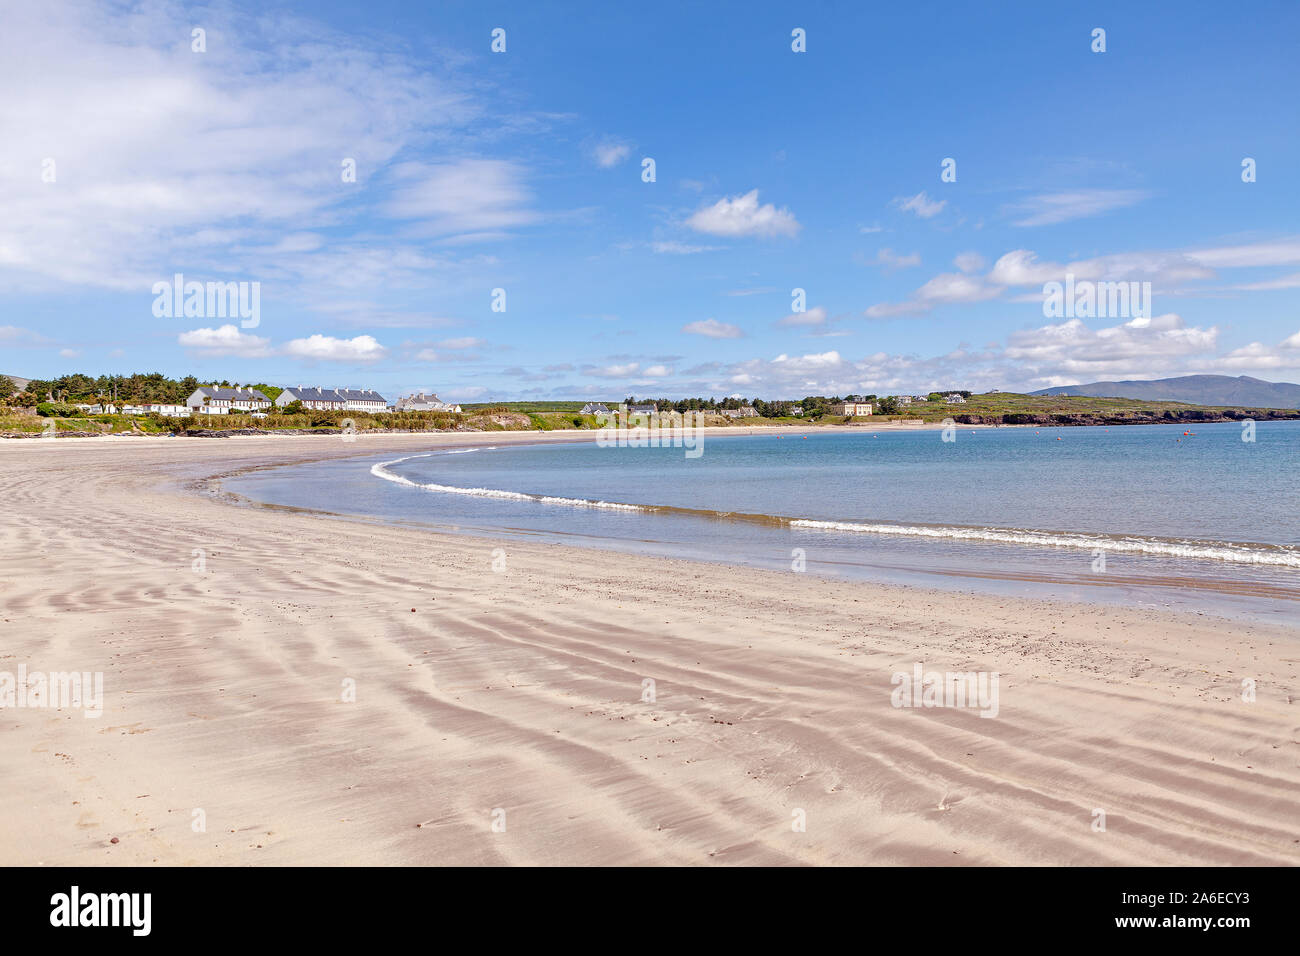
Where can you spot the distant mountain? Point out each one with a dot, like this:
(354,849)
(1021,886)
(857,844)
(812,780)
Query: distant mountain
(1194,389)
(21,383)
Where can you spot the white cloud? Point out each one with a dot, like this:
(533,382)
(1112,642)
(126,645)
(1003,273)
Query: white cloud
(1260,357)
(610,153)
(1021,268)
(1284,252)
(1136,347)
(969,262)
(713,329)
(225,340)
(743,216)
(465,342)
(679,248)
(892,260)
(469,198)
(1284,282)
(325,348)
(167,158)
(1256,355)
(13,335)
(1050,208)
(614,371)
(943,289)
(657,371)
(809,363)
(813,316)
(921,204)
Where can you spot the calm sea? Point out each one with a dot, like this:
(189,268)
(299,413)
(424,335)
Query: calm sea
(1138,514)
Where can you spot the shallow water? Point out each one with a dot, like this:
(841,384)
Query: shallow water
(1135,514)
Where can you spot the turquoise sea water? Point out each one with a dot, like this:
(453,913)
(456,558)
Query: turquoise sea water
(1136,514)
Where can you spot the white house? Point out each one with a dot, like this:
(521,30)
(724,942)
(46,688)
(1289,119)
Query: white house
(218,400)
(745,411)
(425,403)
(851,408)
(334,399)
(155,408)
(593,408)
(955,398)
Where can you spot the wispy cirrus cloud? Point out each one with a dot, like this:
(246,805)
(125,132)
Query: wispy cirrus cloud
(466,199)
(1048,209)
(673,248)
(160,156)
(893,261)
(713,329)
(921,204)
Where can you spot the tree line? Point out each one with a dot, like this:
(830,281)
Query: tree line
(137,388)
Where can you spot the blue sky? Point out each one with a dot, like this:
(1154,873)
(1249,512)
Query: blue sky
(774,171)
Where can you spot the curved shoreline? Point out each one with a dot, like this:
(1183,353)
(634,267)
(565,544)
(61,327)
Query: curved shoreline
(523,689)
(1240,552)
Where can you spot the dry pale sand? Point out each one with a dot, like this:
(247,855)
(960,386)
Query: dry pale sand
(522,691)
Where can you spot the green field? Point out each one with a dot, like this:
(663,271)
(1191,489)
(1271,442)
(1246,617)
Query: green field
(993,404)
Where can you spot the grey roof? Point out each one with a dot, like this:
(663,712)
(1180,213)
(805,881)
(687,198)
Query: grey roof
(360,395)
(336,395)
(232,394)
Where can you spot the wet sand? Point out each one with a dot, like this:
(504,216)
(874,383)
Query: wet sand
(520,690)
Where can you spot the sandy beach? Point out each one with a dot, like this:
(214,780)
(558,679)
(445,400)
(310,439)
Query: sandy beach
(500,716)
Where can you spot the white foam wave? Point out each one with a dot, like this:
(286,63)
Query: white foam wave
(381,471)
(1241,554)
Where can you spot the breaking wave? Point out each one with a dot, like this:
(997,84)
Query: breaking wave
(1213,550)
(381,471)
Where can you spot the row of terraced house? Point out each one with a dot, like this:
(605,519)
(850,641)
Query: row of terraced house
(220,400)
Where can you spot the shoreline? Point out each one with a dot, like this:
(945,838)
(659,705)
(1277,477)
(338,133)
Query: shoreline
(577,433)
(522,689)
(717,430)
(1206,572)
